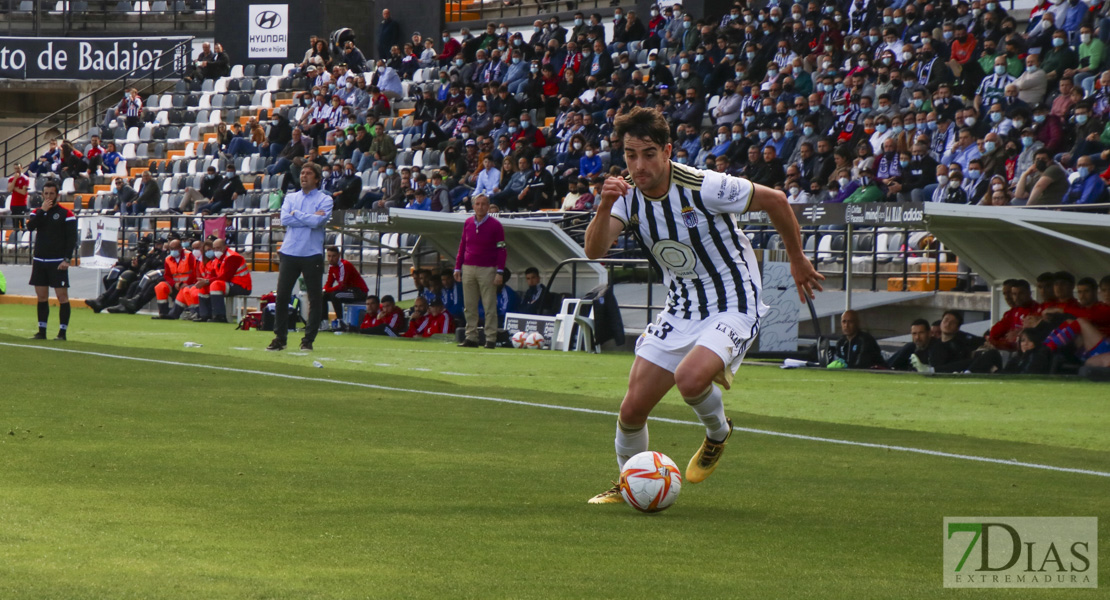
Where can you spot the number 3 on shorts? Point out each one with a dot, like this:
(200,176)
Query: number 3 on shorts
(660,331)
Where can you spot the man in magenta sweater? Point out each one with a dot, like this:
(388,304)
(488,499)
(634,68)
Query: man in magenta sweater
(479,266)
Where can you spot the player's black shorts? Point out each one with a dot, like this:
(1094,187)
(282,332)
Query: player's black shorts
(48,274)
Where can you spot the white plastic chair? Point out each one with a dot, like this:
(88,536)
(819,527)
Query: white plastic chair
(574,312)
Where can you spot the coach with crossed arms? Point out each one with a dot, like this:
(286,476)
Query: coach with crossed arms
(304,215)
(479,266)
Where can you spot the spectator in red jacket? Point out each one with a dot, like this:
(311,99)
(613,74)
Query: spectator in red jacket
(451,47)
(344,285)
(389,320)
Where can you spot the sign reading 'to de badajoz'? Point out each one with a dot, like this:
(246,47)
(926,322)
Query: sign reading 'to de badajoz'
(88,58)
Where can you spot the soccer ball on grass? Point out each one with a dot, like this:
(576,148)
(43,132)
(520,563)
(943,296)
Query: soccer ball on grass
(650,481)
(534,341)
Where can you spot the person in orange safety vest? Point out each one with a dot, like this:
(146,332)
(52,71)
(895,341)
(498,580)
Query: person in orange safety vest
(181,270)
(228,276)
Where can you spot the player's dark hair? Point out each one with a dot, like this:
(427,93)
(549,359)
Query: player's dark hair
(645,124)
(1021,283)
(436,303)
(1046,277)
(1063,276)
(919,323)
(50,183)
(1104,281)
(388,298)
(1008,283)
(1087,281)
(373,297)
(532,271)
(334,249)
(959,316)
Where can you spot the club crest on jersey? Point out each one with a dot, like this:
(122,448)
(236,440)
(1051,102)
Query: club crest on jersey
(689,217)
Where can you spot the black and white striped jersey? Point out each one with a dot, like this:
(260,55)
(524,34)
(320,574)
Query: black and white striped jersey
(707,262)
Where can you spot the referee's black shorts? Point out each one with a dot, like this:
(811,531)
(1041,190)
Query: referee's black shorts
(48,274)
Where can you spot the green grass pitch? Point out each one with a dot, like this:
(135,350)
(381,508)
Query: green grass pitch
(397,471)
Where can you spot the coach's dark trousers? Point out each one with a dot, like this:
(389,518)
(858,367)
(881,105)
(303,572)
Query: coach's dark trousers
(289,269)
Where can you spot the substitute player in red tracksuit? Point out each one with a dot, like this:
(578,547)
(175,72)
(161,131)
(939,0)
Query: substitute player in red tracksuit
(181,270)
(228,275)
(390,320)
(345,284)
(1003,335)
(427,325)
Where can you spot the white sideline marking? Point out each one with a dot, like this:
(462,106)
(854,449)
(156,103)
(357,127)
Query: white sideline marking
(592,411)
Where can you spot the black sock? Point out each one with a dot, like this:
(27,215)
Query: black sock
(44,315)
(63,315)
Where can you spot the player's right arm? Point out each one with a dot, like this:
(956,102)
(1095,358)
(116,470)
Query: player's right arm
(605,228)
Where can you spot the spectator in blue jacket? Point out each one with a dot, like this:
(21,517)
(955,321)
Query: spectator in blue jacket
(452,297)
(1088,187)
(507,301)
(419,201)
(590,163)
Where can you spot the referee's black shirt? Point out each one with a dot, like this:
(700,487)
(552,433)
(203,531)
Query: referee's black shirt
(57,233)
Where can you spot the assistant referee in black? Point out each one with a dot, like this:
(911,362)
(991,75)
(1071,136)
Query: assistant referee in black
(55,243)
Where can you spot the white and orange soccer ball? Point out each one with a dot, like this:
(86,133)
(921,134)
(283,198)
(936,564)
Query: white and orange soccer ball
(650,481)
(534,341)
(518,339)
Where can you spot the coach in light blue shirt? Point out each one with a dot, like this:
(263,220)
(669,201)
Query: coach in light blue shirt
(303,215)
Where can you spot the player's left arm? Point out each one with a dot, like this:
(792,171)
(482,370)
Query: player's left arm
(774,203)
(71,240)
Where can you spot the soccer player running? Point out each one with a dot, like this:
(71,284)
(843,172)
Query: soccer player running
(55,244)
(684,219)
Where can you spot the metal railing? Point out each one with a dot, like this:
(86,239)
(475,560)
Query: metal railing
(455,12)
(258,235)
(609,263)
(23,149)
(39,17)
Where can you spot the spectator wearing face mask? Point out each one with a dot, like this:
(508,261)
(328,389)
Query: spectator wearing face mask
(279,135)
(868,190)
(387,80)
(347,186)
(195,199)
(953,192)
(226,193)
(1089,187)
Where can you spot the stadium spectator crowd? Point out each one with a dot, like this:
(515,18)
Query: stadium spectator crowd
(830,102)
